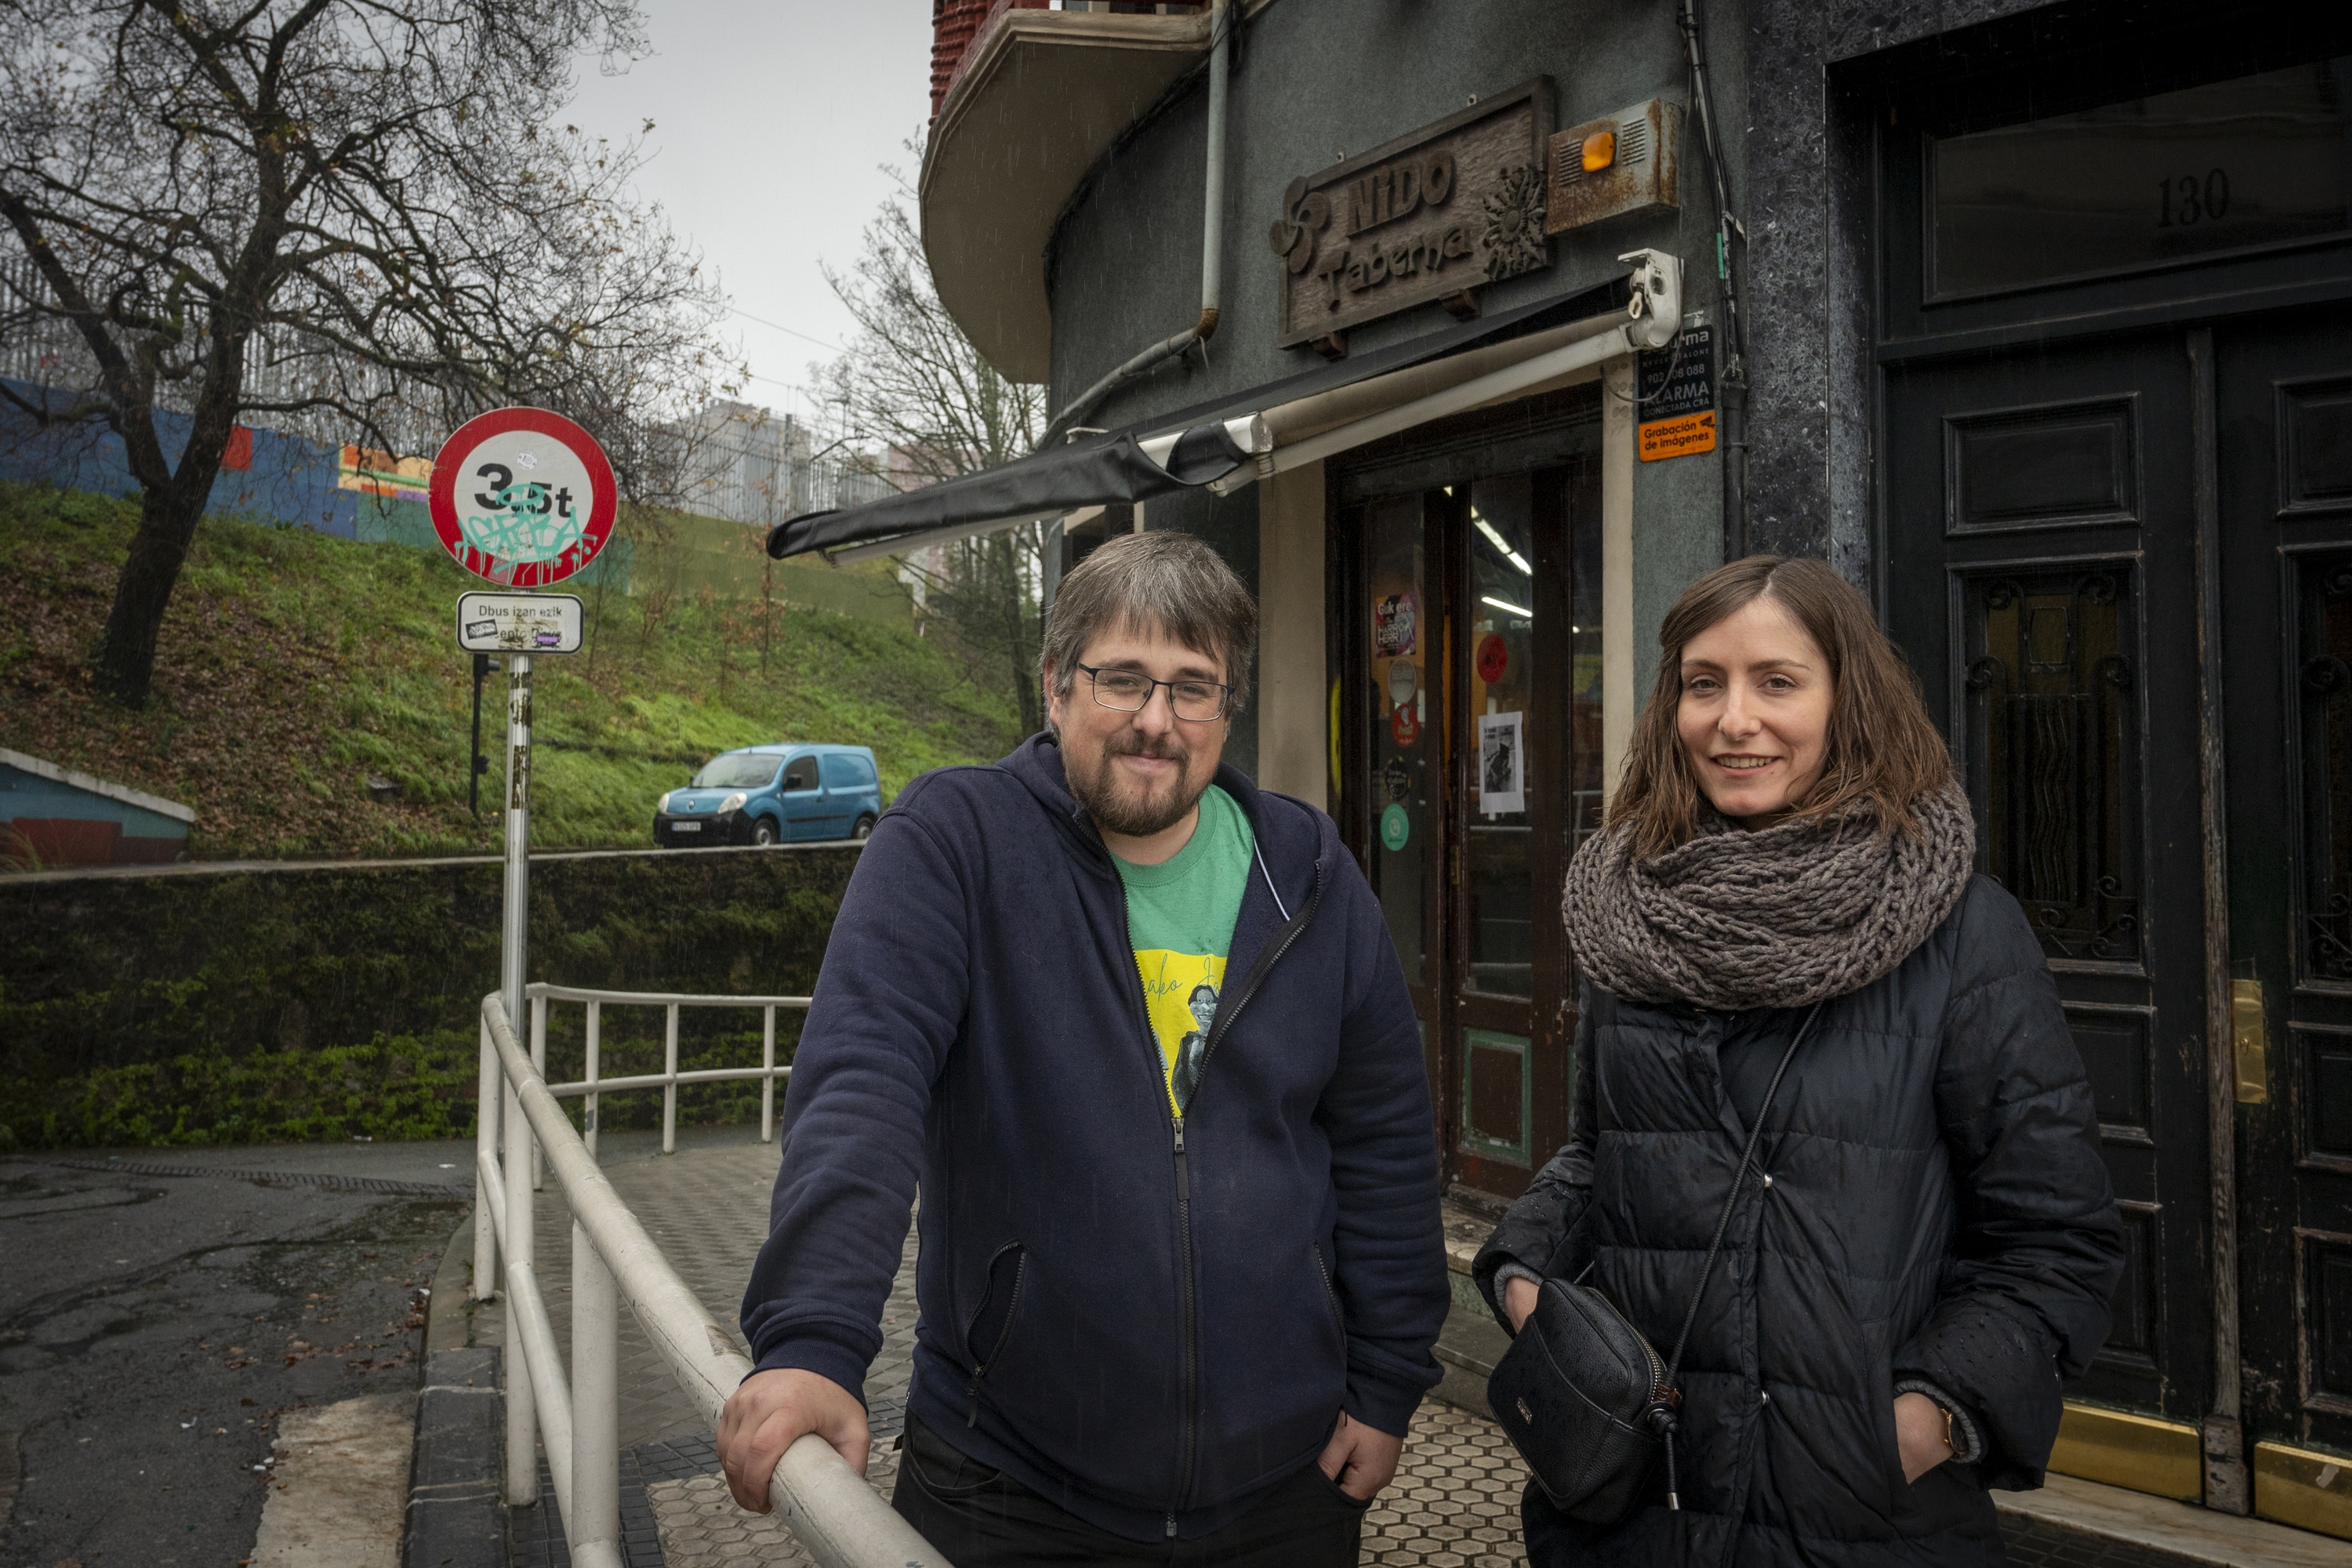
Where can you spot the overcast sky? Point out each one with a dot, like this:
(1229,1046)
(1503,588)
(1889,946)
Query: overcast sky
(770,120)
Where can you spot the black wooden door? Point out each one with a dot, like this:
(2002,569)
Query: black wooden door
(2041,535)
(2284,402)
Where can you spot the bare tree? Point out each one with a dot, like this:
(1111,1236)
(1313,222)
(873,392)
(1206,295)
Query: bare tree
(364,214)
(912,384)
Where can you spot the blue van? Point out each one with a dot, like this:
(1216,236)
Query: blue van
(769,794)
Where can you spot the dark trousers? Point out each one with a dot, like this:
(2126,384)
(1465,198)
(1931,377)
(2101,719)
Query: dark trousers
(980,1518)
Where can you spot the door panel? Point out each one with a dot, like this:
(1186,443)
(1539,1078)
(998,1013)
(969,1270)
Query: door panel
(2284,413)
(2041,527)
(802,801)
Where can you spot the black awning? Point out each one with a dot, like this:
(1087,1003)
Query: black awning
(1096,471)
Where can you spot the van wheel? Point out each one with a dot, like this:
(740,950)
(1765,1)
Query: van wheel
(864,830)
(763,832)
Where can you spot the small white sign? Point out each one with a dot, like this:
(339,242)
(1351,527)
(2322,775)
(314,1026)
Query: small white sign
(1502,763)
(519,622)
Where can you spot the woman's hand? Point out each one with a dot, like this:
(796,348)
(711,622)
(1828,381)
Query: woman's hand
(1518,1300)
(1920,1433)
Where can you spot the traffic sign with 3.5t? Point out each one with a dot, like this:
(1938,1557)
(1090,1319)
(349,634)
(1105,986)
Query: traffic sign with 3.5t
(522,497)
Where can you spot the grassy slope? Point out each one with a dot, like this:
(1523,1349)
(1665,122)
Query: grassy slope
(294,664)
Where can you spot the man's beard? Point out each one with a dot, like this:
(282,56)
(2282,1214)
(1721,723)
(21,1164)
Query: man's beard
(1123,812)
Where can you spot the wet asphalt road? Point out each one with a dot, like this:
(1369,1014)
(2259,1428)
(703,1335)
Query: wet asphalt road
(151,1329)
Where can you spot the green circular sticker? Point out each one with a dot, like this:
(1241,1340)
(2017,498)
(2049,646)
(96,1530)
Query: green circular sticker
(1396,828)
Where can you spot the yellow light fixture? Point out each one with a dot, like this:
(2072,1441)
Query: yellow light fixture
(1600,150)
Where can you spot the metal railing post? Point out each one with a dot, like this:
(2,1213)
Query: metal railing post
(831,1510)
(768,1079)
(539,1060)
(588,1110)
(594,1517)
(486,1148)
(669,1089)
(522,1413)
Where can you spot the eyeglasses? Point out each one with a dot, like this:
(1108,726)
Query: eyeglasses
(1128,692)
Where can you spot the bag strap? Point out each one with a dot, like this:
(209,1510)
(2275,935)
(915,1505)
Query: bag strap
(1747,1158)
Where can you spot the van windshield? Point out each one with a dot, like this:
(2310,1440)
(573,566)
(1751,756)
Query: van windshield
(735,771)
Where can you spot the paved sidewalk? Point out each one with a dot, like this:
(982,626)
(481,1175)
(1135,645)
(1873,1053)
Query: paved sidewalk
(1454,1504)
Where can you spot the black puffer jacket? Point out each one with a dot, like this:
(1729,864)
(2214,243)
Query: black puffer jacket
(1938,1211)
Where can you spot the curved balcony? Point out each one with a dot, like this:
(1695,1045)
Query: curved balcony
(1038,97)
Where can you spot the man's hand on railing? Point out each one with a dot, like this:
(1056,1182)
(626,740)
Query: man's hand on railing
(770,1411)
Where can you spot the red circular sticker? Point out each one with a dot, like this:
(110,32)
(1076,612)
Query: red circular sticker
(1494,657)
(522,497)
(1403,725)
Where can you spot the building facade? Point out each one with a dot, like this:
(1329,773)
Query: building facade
(2036,320)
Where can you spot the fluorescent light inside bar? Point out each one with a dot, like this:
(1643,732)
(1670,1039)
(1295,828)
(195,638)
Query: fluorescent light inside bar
(1499,542)
(1505,604)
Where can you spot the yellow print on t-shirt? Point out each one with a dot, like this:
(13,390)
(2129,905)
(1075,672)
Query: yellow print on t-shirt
(1180,996)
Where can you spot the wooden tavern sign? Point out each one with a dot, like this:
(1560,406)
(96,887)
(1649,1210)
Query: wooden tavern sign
(1432,216)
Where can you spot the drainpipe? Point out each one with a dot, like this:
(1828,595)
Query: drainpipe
(1213,243)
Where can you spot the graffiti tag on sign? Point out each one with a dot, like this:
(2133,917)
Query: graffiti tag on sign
(522,497)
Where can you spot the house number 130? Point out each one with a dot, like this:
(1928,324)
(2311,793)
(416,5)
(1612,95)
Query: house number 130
(2184,200)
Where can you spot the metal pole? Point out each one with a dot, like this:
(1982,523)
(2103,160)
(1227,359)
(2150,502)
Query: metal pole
(669,1089)
(517,925)
(486,1147)
(594,1517)
(539,1060)
(522,1152)
(588,1106)
(523,1414)
(768,1083)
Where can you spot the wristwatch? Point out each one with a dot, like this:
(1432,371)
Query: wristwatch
(1954,1447)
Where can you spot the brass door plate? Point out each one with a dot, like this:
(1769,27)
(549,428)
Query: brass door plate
(2307,1490)
(2142,1453)
(2251,1038)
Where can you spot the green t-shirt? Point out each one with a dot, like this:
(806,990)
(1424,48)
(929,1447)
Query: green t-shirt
(1180,920)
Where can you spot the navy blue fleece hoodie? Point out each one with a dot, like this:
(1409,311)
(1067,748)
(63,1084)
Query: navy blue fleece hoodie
(1150,1323)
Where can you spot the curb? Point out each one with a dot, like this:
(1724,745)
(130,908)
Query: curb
(455,1515)
(267,1178)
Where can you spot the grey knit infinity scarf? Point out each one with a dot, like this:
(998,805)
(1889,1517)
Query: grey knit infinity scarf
(1782,917)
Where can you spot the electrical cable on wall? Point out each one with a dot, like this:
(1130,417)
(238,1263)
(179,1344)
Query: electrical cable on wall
(1728,229)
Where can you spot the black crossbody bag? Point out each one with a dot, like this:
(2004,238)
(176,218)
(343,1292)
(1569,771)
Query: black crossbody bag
(1584,1396)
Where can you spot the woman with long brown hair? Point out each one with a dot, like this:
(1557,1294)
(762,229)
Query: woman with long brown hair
(1801,1008)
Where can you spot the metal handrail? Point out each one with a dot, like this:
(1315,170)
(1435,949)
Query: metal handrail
(589,1088)
(828,1506)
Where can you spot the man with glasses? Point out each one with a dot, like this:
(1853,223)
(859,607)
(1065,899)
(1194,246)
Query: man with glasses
(1137,1031)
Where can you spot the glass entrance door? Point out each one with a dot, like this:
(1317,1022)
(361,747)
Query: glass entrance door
(1474,681)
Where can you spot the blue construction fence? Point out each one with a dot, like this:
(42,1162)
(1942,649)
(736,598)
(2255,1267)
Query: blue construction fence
(268,475)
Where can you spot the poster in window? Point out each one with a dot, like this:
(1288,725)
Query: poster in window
(1502,763)
(1393,627)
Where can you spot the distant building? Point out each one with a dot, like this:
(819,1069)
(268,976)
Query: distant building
(52,816)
